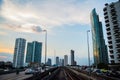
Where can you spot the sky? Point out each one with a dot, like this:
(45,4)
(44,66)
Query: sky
(66,22)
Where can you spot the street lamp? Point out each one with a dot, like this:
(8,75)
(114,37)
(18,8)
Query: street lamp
(88,51)
(45,46)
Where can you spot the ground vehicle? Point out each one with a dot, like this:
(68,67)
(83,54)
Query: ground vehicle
(32,70)
(29,71)
(97,71)
(88,70)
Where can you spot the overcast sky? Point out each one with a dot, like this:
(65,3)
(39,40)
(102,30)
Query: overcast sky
(65,20)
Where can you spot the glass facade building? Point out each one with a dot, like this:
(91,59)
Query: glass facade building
(18,59)
(72,57)
(34,51)
(99,48)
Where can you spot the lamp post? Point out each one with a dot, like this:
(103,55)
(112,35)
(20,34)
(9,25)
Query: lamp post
(88,51)
(45,46)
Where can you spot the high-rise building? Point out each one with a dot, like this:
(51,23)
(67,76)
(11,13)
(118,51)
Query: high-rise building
(62,62)
(72,57)
(99,47)
(57,61)
(34,52)
(49,62)
(65,60)
(18,59)
(112,21)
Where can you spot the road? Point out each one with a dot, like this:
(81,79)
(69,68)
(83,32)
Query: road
(13,76)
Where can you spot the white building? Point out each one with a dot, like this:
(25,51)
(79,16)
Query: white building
(18,59)
(112,20)
(65,60)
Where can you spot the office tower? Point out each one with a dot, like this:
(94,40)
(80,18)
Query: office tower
(18,59)
(34,52)
(72,57)
(99,47)
(62,62)
(112,21)
(49,62)
(57,61)
(65,60)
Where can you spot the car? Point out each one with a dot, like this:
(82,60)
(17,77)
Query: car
(97,71)
(6,70)
(29,71)
(88,70)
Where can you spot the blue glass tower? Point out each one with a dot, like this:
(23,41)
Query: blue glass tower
(34,51)
(99,48)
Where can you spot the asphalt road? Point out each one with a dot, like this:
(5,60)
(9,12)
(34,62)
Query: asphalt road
(13,76)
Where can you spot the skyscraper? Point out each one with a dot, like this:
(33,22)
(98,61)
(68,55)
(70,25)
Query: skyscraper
(99,48)
(18,59)
(34,52)
(49,62)
(65,60)
(57,61)
(72,57)
(112,20)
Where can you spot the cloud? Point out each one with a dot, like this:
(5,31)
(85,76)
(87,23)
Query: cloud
(47,13)
(30,28)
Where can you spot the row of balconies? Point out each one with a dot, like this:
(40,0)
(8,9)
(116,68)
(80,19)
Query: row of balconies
(117,45)
(114,17)
(116,32)
(113,21)
(111,6)
(107,25)
(117,37)
(110,42)
(113,10)
(112,56)
(108,28)
(118,50)
(109,33)
(106,17)
(111,51)
(105,9)
(110,46)
(109,37)
(112,61)
(105,13)
(118,57)
(117,40)
(106,21)
(115,27)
